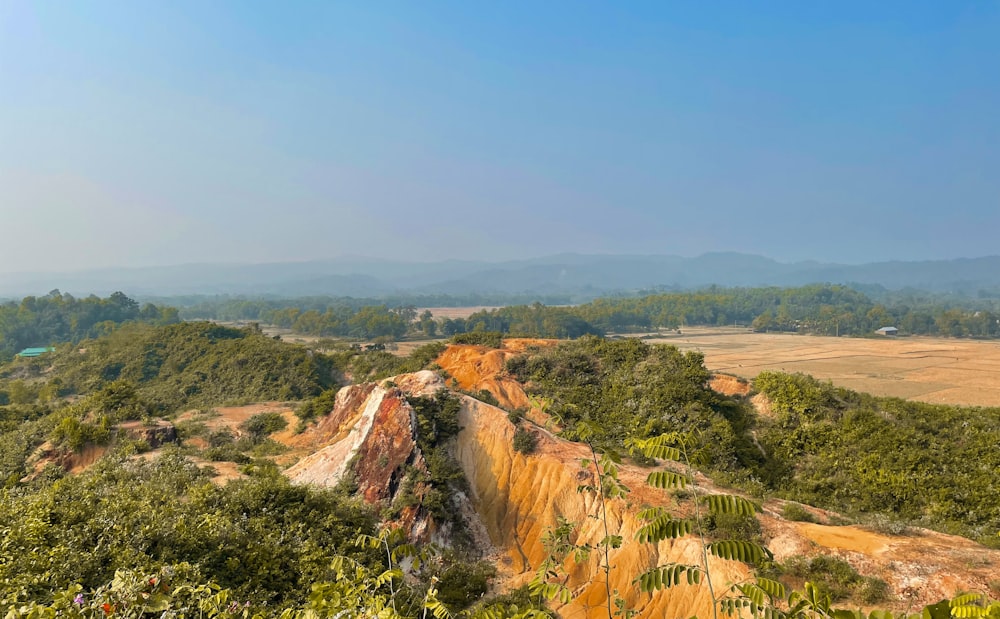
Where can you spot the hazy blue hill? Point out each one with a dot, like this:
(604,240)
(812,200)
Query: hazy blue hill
(578,274)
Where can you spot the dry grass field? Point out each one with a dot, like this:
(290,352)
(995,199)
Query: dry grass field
(935,370)
(454,312)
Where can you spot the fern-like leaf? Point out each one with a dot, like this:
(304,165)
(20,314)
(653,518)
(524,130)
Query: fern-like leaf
(388,576)
(650,513)
(970,606)
(666,480)
(733,606)
(668,576)
(661,528)
(739,550)
(731,504)
(658,447)
(773,588)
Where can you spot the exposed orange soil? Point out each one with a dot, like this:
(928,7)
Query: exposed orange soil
(479,367)
(729,385)
(934,370)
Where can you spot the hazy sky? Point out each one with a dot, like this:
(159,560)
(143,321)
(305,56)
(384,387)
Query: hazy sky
(141,133)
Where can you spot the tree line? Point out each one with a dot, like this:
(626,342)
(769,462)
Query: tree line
(816,309)
(58,317)
(820,309)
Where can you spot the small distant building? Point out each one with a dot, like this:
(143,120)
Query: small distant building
(888,331)
(35,352)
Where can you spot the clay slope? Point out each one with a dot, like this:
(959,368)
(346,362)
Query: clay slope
(519,498)
(475,368)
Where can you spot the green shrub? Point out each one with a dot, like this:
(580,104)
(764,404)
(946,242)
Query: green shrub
(221,437)
(886,525)
(796,513)
(262,425)
(226,453)
(318,406)
(524,441)
(490,339)
(836,578)
(515,416)
(485,395)
(871,590)
(725,526)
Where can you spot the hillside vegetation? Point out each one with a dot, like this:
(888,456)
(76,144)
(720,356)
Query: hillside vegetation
(925,464)
(270,545)
(928,465)
(57,318)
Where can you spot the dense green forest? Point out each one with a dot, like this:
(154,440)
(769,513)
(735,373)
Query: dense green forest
(58,318)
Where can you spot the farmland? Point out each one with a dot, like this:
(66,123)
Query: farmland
(933,370)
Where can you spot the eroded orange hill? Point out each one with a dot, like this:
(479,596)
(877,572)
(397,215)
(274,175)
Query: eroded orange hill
(478,367)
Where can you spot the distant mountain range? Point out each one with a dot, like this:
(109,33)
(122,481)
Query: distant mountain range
(575,275)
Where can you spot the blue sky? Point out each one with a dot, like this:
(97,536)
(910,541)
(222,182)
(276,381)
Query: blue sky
(140,133)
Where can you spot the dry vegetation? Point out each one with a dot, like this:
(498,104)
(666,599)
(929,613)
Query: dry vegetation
(934,370)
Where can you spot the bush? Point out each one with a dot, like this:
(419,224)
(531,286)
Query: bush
(318,406)
(872,590)
(886,525)
(796,513)
(490,339)
(226,453)
(524,441)
(262,425)
(744,527)
(484,395)
(836,578)
(221,437)
(515,416)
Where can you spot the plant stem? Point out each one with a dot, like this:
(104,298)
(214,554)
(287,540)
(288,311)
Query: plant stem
(388,558)
(701,530)
(604,519)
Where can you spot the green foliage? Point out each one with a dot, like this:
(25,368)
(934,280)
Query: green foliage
(262,537)
(58,317)
(361,365)
(796,513)
(906,459)
(366,322)
(836,578)
(627,389)
(262,425)
(461,585)
(490,339)
(733,526)
(437,425)
(321,405)
(524,441)
(485,395)
(186,365)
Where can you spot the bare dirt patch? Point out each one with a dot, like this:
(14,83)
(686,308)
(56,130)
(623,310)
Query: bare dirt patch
(729,385)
